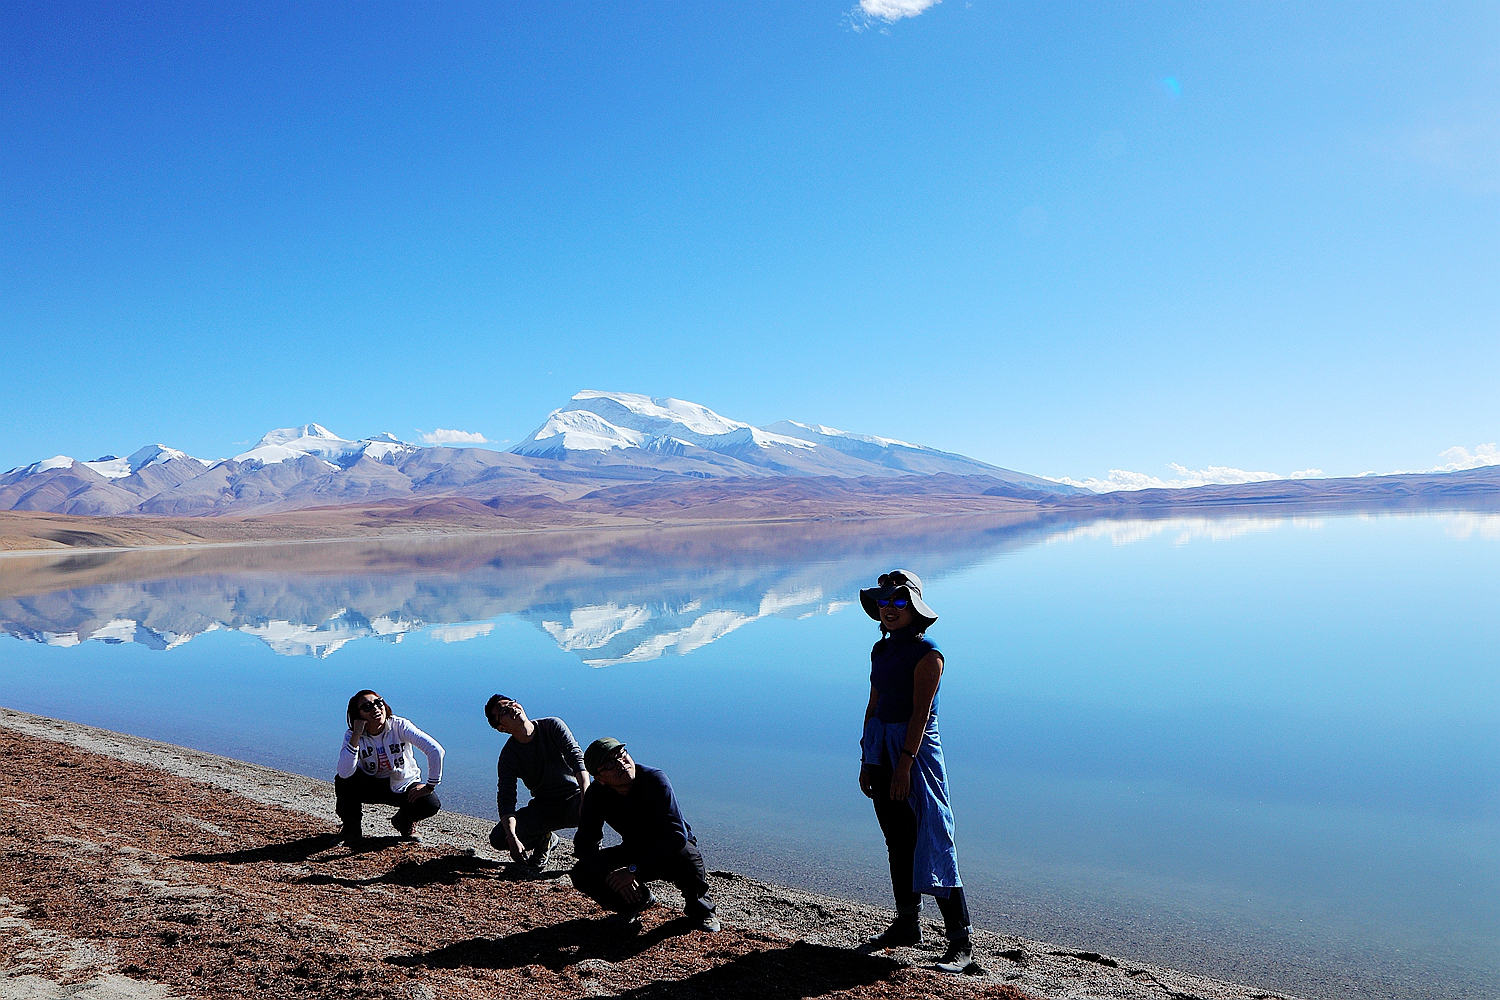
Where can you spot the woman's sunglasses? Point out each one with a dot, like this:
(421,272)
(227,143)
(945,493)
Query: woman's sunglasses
(370,706)
(899,602)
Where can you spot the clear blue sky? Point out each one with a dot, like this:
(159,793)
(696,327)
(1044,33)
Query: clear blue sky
(1065,238)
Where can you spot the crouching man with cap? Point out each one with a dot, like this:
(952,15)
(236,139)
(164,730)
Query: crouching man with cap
(656,842)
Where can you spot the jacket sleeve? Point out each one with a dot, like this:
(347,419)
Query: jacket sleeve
(569,747)
(505,786)
(590,827)
(431,747)
(348,755)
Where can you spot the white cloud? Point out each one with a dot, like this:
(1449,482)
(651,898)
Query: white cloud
(441,436)
(1459,458)
(891,11)
(865,13)
(1214,475)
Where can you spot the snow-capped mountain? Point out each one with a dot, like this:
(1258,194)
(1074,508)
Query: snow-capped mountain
(111,467)
(595,424)
(108,466)
(597,439)
(290,443)
(601,421)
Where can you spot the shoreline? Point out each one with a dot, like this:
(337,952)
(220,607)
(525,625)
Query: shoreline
(67,539)
(760,916)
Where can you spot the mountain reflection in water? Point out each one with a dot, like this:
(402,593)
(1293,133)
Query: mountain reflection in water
(610,597)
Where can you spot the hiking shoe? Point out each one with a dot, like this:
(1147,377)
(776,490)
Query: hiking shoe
(905,931)
(349,836)
(709,923)
(959,957)
(542,853)
(407,829)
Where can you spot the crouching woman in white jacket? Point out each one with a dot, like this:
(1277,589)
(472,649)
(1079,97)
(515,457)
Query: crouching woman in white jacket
(377,764)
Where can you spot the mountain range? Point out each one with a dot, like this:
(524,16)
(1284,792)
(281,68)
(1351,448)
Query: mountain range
(598,439)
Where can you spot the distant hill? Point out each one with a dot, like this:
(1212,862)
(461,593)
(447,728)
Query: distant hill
(597,440)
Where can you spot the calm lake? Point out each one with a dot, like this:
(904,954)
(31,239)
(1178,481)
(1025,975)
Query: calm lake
(1265,748)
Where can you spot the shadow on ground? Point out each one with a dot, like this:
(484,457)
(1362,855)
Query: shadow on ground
(783,973)
(291,852)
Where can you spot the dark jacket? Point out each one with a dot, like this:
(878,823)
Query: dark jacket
(648,819)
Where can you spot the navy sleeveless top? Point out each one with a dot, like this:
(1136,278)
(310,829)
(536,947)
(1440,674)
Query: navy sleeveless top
(893,667)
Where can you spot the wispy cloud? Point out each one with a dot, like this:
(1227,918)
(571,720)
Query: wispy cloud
(441,436)
(866,12)
(1456,459)
(1183,478)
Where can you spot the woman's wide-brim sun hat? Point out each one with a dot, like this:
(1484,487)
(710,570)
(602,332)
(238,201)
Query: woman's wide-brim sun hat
(887,584)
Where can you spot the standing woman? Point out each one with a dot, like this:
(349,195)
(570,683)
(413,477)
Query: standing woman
(901,767)
(377,765)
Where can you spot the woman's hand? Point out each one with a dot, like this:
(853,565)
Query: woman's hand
(901,779)
(358,729)
(867,780)
(415,792)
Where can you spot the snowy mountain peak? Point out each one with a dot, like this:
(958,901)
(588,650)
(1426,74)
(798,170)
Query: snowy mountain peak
(307,432)
(45,465)
(287,444)
(111,467)
(602,421)
(647,413)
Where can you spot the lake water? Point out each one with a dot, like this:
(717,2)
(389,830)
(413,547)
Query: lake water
(1265,748)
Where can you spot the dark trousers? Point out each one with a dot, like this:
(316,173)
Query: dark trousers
(684,869)
(350,795)
(898,821)
(538,818)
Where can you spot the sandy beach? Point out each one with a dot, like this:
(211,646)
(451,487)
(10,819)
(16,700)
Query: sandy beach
(141,869)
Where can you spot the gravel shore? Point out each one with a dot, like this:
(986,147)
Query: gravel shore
(185,874)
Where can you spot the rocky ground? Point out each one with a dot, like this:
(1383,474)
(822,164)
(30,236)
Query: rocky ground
(135,869)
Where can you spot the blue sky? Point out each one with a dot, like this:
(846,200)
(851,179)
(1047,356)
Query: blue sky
(1063,238)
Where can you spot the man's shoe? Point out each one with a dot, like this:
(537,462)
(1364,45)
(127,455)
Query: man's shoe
(959,957)
(539,857)
(407,829)
(709,923)
(904,932)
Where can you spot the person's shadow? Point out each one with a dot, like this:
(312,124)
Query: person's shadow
(290,852)
(449,869)
(790,972)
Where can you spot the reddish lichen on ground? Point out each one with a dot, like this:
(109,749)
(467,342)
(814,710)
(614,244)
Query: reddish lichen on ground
(108,867)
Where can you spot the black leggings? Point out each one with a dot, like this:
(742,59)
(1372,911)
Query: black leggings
(898,821)
(351,793)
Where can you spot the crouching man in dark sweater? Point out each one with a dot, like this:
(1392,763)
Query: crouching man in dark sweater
(544,756)
(656,842)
